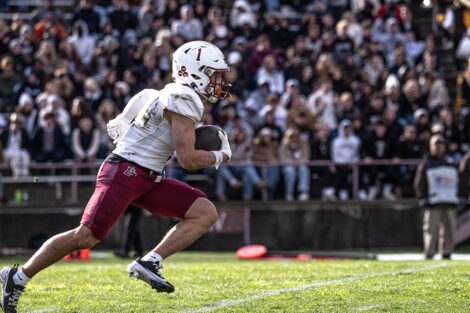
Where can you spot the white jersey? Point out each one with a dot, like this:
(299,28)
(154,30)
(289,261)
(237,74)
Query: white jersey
(148,141)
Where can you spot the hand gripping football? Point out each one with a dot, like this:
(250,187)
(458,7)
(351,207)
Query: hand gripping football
(207,138)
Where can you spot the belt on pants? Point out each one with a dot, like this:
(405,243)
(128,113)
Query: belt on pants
(156,177)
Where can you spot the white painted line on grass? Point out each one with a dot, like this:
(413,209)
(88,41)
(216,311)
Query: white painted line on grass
(256,296)
(368,307)
(419,257)
(401,257)
(53,308)
(100,255)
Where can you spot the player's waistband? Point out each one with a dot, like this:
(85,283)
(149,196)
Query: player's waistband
(153,175)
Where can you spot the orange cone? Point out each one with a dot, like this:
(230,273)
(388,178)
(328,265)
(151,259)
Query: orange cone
(79,255)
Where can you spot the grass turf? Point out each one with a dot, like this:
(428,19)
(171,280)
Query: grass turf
(218,282)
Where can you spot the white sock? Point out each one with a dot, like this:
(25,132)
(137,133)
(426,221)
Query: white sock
(20,278)
(152,256)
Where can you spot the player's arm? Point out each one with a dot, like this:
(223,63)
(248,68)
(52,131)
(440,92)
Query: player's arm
(118,126)
(184,137)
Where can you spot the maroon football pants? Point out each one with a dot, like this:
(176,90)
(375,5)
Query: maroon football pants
(120,184)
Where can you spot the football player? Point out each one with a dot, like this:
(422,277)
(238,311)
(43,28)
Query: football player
(151,127)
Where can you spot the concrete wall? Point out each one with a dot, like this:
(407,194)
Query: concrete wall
(280,226)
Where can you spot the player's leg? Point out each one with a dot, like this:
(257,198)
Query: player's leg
(174,199)
(13,280)
(59,246)
(200,217)
(114,191)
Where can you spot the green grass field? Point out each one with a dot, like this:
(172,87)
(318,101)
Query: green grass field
(218,282)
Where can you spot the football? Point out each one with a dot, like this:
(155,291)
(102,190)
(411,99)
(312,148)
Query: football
(207,138)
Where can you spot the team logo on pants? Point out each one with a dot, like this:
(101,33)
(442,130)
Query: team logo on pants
(130,171)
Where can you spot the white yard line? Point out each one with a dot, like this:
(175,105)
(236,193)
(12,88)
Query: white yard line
(368,307)
(235,302)
(51,309)
(418,257)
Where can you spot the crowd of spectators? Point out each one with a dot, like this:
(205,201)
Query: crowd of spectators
(311,80)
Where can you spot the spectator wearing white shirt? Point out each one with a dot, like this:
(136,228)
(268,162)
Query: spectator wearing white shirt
(28,114)
(388,35)
(279,112)
(354,29)
(292,90)
(55,105)
(257,98)
(436,91)
(270,72)
(241,12)
(296,150)
(344,149)
(83,43)
(85,140)
(16,142)
(322,104)
(188,27)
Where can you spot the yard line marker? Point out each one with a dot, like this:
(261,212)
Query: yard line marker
(256,296)
(54,308)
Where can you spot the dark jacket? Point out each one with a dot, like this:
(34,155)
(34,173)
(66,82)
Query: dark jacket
(377,148)
(91,18)
(409,149)
(464,177)
(24,138)
(320,150)
(59,142)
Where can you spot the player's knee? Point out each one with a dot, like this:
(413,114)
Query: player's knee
(208,212)
(212,214)
(84,238)
(204,211)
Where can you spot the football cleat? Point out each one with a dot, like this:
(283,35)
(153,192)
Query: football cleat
(149,272)
(10,291)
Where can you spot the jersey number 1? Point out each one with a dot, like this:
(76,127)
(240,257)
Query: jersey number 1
(198,55)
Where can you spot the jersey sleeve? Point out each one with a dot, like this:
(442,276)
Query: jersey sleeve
(185,105)
(136,103)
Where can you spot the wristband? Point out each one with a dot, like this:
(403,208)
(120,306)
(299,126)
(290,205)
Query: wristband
(218,158)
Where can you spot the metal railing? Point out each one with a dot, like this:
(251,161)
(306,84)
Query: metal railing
(73,177)
(354,166)
(71,172)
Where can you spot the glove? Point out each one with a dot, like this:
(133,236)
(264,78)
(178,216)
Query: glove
(117,127)
(225,146)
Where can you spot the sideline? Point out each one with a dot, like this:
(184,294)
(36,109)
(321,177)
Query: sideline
(256,296)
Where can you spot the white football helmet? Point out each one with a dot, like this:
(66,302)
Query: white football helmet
(201,66)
